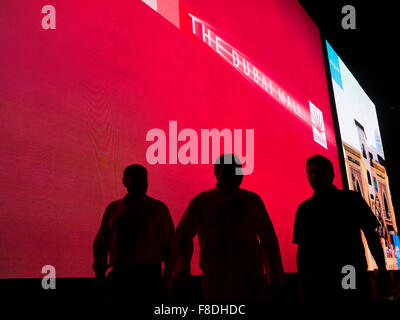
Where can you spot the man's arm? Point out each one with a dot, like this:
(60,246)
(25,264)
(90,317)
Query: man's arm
(299,259)
(375,247)
(187,228)
(297,239)
(369,223)
(270,246)
(302,272)
(101,246)
(167,231)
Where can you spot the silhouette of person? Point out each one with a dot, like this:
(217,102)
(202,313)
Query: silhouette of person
(236,238)
(327,231)
(135,235)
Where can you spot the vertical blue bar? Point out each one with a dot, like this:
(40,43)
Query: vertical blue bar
(334,65)
(396,243)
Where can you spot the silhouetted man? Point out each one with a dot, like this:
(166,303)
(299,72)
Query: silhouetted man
(135,235)
(327,231)
(236,238)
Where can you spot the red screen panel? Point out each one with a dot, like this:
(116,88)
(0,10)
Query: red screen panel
(78,102)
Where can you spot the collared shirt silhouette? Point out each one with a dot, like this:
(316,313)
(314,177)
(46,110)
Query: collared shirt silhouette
(236,238)
(135,235)
(327,231)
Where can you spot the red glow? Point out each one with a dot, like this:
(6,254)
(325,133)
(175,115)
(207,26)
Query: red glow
(78,101)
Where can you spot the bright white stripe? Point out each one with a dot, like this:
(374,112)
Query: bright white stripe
(151,3)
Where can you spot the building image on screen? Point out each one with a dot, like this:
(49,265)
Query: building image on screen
(81,102)
(364,156)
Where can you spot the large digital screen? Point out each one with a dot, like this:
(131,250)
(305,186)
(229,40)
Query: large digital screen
(363,154)
(166,84)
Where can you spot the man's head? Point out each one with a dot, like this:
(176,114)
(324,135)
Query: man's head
(319,172)
(228,171)
(135,180)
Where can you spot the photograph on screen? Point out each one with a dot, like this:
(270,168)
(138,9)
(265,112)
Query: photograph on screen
(364,156)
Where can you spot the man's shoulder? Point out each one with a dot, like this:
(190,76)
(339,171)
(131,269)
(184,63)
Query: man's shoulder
(117,204)
(349,193)
(155,203)
(214,192)
(305,205)
(115,209)
(349,196)
(249,195)
(305,209)
(204,195)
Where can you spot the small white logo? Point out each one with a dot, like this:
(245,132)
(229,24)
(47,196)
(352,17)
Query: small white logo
(318,126)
